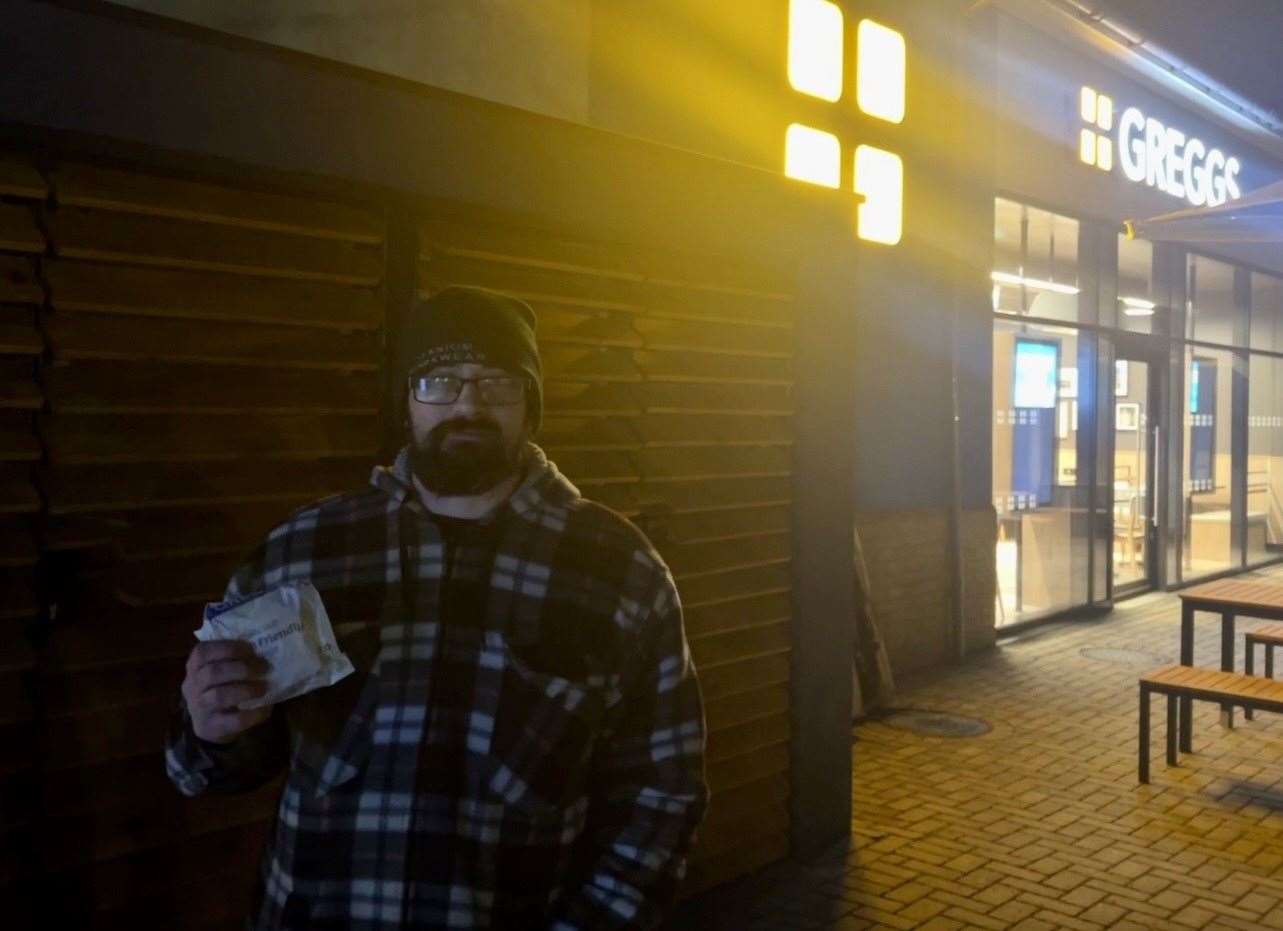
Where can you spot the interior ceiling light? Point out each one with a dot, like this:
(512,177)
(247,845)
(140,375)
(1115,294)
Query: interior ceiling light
(1036,284)
(1137,307)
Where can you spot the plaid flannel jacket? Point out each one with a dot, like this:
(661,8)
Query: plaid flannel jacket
(522,743)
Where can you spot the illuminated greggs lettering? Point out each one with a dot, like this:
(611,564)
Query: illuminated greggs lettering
(1164,158)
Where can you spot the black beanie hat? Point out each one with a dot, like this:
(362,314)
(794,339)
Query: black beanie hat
(462,324)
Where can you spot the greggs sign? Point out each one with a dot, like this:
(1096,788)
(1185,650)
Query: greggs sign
(1154,154)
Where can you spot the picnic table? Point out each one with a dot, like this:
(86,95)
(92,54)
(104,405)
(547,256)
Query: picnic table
(1229,598)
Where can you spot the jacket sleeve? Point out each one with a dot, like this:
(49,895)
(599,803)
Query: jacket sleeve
(648,792)
(197,766)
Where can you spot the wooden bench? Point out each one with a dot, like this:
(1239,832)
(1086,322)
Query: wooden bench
(1192,682)
(1269,636)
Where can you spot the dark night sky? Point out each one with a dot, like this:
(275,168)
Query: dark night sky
(1239,43)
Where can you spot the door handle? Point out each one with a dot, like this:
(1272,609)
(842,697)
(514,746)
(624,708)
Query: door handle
(1153,484)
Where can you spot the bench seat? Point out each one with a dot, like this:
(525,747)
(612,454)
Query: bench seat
(1196,682)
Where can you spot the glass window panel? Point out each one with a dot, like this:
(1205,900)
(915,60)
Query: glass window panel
(1039,491)
(1264,458)
(1035,263)
(1208,397)
(1211,301)
(1132,471)
(1136,307)
(1267,312)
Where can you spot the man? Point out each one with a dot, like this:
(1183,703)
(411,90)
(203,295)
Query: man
(521,745)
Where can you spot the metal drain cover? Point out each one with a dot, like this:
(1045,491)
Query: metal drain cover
(1125,656)
(936,724)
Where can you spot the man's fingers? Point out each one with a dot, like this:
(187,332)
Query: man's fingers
(225,697)
(221,672)
(215,651)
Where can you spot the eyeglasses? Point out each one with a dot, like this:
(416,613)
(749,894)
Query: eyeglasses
(497,391)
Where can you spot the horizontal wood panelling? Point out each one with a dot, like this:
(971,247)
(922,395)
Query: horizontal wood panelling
(92,287)
(584,364)
(696,496)
(84,489)
(718,682)
(739,523)
(77,439)
(108,189)
(693,559)
(95,336)
(728,774)
(739,645)
(19,178)
(749,611)
(678,430)
(113,883)
(713,398)
(576,398)
(87,691)
(734,710)
(107,833)
(736,585)
(18,283)
(18,441)
(705,874)
(18,332)
(100,736)
(105,633)
(141,240)
(630,262)
(699,368)
(17,494)
(174,581)
(18,599)
(18,229)
(564,432)
(18,388)
(749,737)
(234,529)
(94,387)
(764,824)
(728,807)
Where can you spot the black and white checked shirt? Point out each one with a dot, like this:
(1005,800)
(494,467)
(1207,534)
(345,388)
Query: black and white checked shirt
(521,745)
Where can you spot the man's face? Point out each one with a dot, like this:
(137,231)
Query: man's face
(470,445)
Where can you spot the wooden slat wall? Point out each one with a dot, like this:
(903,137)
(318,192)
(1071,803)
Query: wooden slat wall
(668,397)
(214,361)
(22,243)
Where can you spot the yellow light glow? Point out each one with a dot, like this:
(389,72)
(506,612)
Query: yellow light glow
(1104,112)
(1104,153)
(879,176)
(1087,105)
(880,71)
(815,48)
(1087,147)
(812,155)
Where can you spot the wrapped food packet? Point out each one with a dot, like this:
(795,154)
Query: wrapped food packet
(287,625)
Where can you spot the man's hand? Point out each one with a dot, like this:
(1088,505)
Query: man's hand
(220,675)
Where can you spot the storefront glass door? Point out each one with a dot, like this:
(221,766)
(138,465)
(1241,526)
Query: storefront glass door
(1135,430)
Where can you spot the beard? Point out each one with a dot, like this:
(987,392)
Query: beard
(465,457)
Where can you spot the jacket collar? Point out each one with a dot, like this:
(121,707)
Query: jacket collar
(542,488)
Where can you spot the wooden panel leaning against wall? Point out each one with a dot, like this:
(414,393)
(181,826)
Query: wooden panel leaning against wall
(668,397)
(213,362)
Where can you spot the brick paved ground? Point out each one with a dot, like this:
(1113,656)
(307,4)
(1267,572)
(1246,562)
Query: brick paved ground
(1041,823)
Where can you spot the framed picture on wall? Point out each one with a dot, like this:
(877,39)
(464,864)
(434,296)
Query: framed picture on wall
(1127,416)
(1120,378)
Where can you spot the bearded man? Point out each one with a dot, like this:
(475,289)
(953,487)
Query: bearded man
(521,745)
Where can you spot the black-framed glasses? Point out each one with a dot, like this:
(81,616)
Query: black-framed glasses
(495,390)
